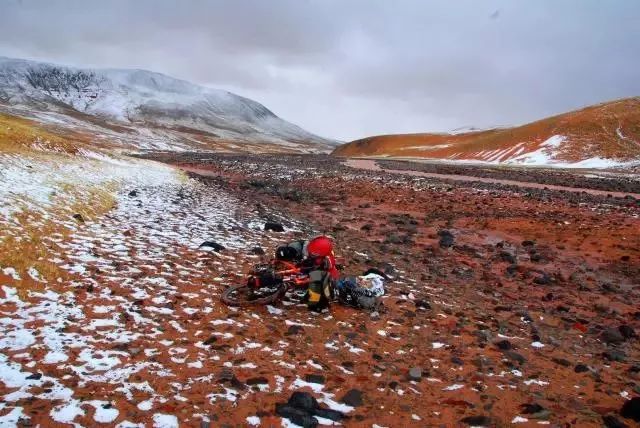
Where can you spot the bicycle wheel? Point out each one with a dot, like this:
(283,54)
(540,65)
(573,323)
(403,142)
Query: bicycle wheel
(243,295)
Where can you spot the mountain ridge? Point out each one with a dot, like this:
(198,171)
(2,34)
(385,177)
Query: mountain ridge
(147,102)
(601,135)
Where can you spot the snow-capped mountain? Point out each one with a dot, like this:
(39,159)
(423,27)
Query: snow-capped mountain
(152,110)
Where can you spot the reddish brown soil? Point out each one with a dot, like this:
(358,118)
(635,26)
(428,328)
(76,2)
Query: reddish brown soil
(580,277)
(448,311)
(609,130)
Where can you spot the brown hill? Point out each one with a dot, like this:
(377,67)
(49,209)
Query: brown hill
(607,131)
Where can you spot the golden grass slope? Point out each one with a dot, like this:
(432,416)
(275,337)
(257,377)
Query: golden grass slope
(610,130)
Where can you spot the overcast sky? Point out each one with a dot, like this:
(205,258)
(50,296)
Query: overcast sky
(350,69)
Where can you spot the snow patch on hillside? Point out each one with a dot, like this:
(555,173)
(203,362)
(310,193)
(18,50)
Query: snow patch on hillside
(153,102)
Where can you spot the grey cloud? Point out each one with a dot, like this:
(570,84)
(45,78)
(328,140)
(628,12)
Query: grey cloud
(347,69)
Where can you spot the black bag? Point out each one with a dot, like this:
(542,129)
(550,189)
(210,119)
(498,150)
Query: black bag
(292,252)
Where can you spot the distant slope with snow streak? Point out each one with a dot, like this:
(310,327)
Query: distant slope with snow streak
(599,136)
(147,110)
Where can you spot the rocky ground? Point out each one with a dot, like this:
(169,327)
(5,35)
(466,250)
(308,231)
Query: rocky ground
(507,305)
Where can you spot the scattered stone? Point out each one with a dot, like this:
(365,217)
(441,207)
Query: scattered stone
(415,373)
(627,332)
(542,279)
(353,398)
(580,368)
(504,345)
(34,376)
(294,330)
(79,218)
(612,335)
(315,378)
(614,355)
(260,380)
(133,193)
(274,227)
(212,245)
(529,409)
(422,304)
(210,340)
(301,408)
(631,409)
(528,243)
(258,251)
(561,361)
(477,420)
(446,238)
(514,356)
(457,361)
(508,257)
(611,421)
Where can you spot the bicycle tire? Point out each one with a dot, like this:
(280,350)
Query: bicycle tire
(229,298)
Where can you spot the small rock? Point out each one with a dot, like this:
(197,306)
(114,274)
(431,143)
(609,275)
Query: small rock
(258,251)
(133,193)
(212,245)
(415,373)
(504,345)
(294,330)
(79,218)
(353,398)
(529,409)
(626,331)
(508,257)
(260,380)
(314,378)
(611,421)
(614,355)
(34,376)
(514,356)
(422,304)
(479,420)
(631,409)
(275,227)
(210,340)
(303,400)
(561,361)
(542,279)
(612,335)
(446,238)
(580,368)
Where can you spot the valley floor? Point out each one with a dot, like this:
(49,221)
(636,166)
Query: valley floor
(528,317)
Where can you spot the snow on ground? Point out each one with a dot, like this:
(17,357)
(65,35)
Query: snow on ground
(140,299)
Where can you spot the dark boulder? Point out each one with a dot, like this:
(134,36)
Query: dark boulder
(631,409)
(611,421)
(446,238)
(508,257)
(296,416)
(353,398)
(479,420)
(504,345)
(626,331)
(612,335)
(212,245)
(422,304)
(273,226)
(314,378)
(303,401)
(580,368)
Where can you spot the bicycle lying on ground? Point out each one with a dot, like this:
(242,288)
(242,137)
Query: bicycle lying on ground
(268,283)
